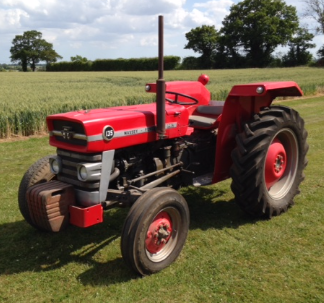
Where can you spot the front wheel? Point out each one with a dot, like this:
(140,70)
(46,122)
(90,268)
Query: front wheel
(269,161)
(155,230)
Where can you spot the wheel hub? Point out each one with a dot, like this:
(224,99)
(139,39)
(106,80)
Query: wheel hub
(275,164)
(278,165)
(158,233)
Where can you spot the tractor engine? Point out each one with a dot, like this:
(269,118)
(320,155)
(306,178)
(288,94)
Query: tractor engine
(173,163)
(144,166)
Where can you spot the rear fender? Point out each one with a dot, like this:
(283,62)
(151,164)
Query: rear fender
(241,104)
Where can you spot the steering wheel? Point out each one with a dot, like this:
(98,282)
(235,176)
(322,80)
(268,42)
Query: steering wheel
(175,101)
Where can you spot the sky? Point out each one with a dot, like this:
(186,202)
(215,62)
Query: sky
(102,29)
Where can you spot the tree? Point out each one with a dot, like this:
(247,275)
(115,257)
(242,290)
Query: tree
(228,55)
(320,52)
(256,27)
(315,10)
(298,53)
(203,40)
(190,63)
(79,58)
(30,48)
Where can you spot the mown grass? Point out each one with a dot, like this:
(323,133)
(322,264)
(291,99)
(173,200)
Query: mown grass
(27,98)
(228,257)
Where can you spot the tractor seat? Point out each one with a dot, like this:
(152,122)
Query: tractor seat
(207,122)
(201,122)
(214,108)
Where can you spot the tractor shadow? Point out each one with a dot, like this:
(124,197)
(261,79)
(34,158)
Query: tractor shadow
(209,208)
(24,249)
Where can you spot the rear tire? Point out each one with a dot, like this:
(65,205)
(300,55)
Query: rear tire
(38,173)
(269,161)
(155,230)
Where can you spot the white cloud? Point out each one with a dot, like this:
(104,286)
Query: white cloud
(10,20)
(76,45)
(81,33)
(215,6)
(215,10)
(199,18)
(144,7)
(149,41)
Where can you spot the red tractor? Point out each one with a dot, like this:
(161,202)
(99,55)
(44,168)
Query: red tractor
(138,156)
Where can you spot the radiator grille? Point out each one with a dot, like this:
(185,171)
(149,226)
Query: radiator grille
(70,161)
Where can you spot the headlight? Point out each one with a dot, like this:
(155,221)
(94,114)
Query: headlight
(55,165)
(83,173)
(89,171)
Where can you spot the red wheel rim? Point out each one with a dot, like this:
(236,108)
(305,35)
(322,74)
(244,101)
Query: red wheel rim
(276,163)
(158,233)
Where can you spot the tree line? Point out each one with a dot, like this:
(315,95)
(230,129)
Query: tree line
(248,38)
(251,33)
(79,63)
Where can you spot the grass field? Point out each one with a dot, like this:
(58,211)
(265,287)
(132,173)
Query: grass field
(228,257)
(27,98)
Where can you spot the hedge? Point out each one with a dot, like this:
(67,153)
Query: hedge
(138,64)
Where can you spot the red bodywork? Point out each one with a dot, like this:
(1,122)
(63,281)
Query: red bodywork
(135,125)
(85,217)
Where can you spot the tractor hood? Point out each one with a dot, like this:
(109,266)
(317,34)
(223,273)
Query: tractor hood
(97,130)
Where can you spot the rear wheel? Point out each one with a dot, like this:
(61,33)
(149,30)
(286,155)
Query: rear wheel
(155,230)
(269,161)
(38,173)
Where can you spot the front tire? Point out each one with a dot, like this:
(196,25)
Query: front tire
(155,230)
(269,161)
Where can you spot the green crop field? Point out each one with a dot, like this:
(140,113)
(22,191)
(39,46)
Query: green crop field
(228,257)
(27,98)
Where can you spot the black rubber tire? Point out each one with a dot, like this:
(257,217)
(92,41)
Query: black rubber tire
(136,229)
(249,157)
(38,173)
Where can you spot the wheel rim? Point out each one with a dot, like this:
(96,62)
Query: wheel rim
(276,162)
(162,234)
(281,164)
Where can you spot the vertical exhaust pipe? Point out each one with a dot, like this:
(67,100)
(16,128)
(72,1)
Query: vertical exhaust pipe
(160,87)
